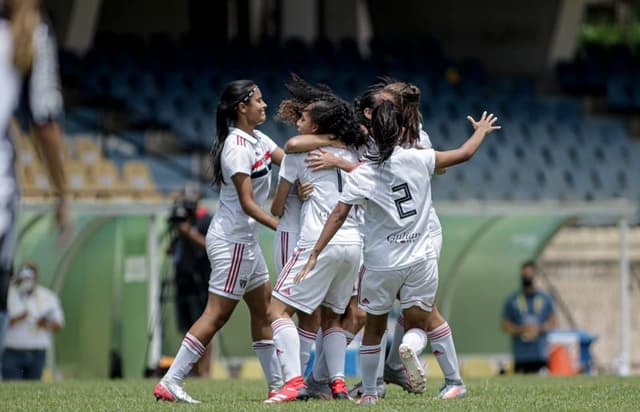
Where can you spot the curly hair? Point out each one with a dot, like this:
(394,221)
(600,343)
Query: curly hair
(386,130)
(303,94)
(330,113)
(336,117)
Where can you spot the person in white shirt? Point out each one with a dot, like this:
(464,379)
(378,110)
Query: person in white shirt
(329,286)
(34,315)
(242,158)
(399,258)
(27,58)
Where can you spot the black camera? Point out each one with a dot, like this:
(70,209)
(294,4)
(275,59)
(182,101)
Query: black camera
(181,211)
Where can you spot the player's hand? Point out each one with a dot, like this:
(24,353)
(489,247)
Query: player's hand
(308,267)
(486,122)
(304,190)
(320,159)
(63,223)
(43,323)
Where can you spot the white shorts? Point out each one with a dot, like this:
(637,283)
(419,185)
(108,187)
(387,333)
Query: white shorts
(415,285)
(236,268)
(284,244)
(329,283)
(436,241)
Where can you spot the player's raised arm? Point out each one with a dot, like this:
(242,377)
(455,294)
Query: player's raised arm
(482,127)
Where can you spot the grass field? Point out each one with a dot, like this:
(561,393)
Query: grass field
(493,394)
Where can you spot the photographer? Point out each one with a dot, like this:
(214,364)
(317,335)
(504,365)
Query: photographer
(189,224)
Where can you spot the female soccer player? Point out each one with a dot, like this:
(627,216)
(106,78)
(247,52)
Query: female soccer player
(242,158)
(438,330)
(330,285)
(399,258)
(27,51)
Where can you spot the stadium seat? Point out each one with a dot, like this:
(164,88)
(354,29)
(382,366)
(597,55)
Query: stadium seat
(79,180)
(137,180)
(107,179)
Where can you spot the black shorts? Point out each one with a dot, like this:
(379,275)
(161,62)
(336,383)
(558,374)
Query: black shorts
(530,366)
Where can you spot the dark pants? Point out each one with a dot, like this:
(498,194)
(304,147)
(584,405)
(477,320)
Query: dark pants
(23,364)
(530,366)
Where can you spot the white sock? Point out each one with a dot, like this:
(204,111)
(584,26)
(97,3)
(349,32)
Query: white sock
(445,351)
(383,347)
(416,339)
(319,371)
(190,352)
(393,360)
(348,336)
(306,343)
(335,346)
(369,360)
(266,352)
(287,341)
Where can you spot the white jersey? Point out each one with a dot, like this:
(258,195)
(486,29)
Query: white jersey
(26,335)
(290,219)
(397,199)
(249,155)
(435,228)
(327,185)
(10,81)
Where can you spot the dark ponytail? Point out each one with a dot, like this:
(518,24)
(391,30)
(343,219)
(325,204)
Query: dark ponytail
(234,93)
(386,129)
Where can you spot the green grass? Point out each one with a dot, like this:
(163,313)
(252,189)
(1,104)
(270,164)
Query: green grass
(493,394)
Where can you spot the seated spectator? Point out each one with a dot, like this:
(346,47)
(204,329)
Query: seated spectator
(34,314)
(527,316)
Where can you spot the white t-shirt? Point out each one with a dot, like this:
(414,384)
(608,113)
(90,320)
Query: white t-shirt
(249,155)
(26,335)
(397,199)
(290,219)
(435,228)
(327,186)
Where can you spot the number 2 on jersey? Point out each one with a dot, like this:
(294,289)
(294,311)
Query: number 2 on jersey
(407,196)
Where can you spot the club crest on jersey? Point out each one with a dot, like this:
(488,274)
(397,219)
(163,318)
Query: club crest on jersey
(243,283)
(404,237)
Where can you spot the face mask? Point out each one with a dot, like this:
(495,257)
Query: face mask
(26,286)
(527,282)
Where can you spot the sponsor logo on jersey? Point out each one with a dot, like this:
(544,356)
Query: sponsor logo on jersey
(404,237)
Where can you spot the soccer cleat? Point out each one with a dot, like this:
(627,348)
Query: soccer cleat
(318,390)
(413,367)
(452,390)
(368,400)
(381,388)
(172,392)
(339,389)
(398,377)
(294,389)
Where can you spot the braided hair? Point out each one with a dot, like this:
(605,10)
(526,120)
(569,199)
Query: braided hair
(235,92)
(386,130)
